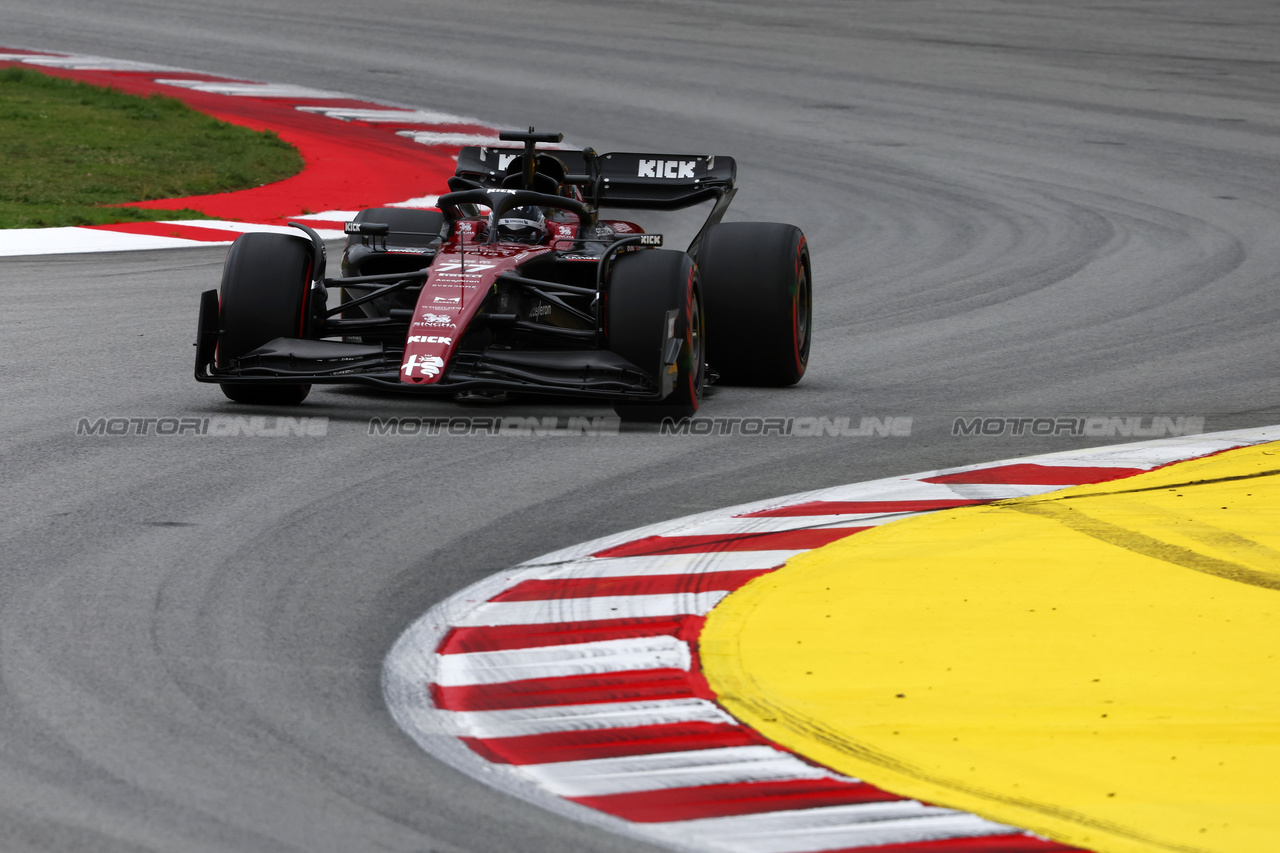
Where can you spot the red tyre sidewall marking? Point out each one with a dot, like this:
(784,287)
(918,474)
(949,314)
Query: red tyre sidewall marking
(695,369)
(796,307)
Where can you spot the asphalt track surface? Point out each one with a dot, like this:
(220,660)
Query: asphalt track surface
(1015,210)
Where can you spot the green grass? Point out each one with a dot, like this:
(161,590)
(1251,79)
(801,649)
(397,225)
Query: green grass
(68,149)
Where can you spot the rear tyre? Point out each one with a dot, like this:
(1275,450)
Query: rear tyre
(643,287)
(758,293)
(264,296)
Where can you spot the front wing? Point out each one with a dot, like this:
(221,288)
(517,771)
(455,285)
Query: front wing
(578,373)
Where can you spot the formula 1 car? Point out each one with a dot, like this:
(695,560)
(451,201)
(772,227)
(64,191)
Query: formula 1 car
(516,284)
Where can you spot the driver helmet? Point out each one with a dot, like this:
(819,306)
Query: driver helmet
(523,225)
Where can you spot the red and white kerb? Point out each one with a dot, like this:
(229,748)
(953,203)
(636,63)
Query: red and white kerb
(573,682)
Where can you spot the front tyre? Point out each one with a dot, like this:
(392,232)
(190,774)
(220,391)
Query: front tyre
(644,287)
(263,297)
(757,288)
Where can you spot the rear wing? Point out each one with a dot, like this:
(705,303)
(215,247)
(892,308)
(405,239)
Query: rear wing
(620,179)
(663,181)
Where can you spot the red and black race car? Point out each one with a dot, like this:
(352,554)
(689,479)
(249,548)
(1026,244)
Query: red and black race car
(517,284)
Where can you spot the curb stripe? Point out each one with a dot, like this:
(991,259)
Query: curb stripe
(812,508)
(673,564)
(178,229)
(671,770)
(457,140)
(569,690)
(1039,475)
(285,91)
(997,844)
(646,739)
(536,590)
(786,539)
(605,608)
(492,638)
(391,115)
(661,652)
(838,827)
(757,525)
(674,804)
(578,718)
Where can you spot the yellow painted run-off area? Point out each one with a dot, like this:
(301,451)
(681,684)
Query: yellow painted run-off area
(1100,664)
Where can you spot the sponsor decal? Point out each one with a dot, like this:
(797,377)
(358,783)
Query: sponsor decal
(672,169)
(430,365)
(564,230)
(650,239)
(430,339)
(446,300)
(446,267)
(578,258)
(537,311)
(429,319)
(622,227)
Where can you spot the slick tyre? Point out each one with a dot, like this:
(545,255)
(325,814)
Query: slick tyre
(758,294)
(643,287)
(263,297)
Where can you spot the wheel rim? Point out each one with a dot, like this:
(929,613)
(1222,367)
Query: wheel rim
(698,372)
(803,314)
